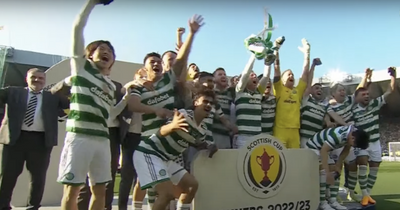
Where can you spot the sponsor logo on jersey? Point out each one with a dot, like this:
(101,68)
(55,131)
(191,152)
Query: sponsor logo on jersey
(290,101)
(365,118)
(268,110)
(223,101)
(100,93)
(254,101)
(158,99)
(261,166)
(318,112)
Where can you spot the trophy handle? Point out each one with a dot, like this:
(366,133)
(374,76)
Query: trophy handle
(272,159)
(258,160)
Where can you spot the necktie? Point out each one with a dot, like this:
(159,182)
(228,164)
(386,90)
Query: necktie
(30,110)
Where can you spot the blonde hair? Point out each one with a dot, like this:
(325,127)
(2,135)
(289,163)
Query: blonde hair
(335,87)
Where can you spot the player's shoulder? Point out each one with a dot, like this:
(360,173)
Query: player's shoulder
(186,112)
(137,88)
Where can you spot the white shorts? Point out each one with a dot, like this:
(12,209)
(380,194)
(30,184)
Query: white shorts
(303,142)
(330,161)
(374,152)
(222,141)
(152,170)
(350,158)
(240,141)
(83,156)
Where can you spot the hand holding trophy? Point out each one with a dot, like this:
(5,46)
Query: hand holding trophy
(258,44)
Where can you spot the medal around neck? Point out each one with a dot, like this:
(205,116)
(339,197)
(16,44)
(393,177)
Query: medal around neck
(106,2)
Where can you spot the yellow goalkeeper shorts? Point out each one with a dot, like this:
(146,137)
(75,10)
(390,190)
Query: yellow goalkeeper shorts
(290,137)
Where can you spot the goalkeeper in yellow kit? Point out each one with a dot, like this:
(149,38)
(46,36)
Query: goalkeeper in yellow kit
(289,97)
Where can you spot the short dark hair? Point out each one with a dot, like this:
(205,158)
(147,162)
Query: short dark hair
(169,51)
(361,139)
(260,76)
(152,54)
(204,74)
(359,90)
(90,48)
(315,84)
(218,69)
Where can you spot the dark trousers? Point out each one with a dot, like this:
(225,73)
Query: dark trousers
(85,194)
(30,148)
(128,172)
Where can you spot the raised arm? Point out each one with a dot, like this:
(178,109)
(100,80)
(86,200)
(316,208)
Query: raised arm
(277,69)
(78,41)
(305,49)
(262,84)
(195,24)
(365,79)
(179,42)
(183,77)
(244,79)
(393,74)
(316,62)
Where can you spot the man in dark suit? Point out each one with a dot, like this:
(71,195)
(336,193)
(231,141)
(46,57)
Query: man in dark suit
(27,135)
(118,128)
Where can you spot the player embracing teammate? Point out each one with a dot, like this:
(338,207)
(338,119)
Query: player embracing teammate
(155,98)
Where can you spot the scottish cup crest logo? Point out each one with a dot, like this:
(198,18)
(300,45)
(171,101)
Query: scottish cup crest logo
(261,166)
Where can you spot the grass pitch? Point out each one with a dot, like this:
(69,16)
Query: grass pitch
(386,191)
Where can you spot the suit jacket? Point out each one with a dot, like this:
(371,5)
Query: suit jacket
(63,89)
(16,100)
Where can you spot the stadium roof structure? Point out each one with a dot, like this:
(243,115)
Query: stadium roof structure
(352,79)
(380,83)
(18,62)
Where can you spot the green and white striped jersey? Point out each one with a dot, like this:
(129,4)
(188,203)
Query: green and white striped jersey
(224,99)
(312,116)
(92,96)
(334,137)
(163,96)
(344,109)
(248,112)
(215,114)
(367,118)
(171,147)
(268,107)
